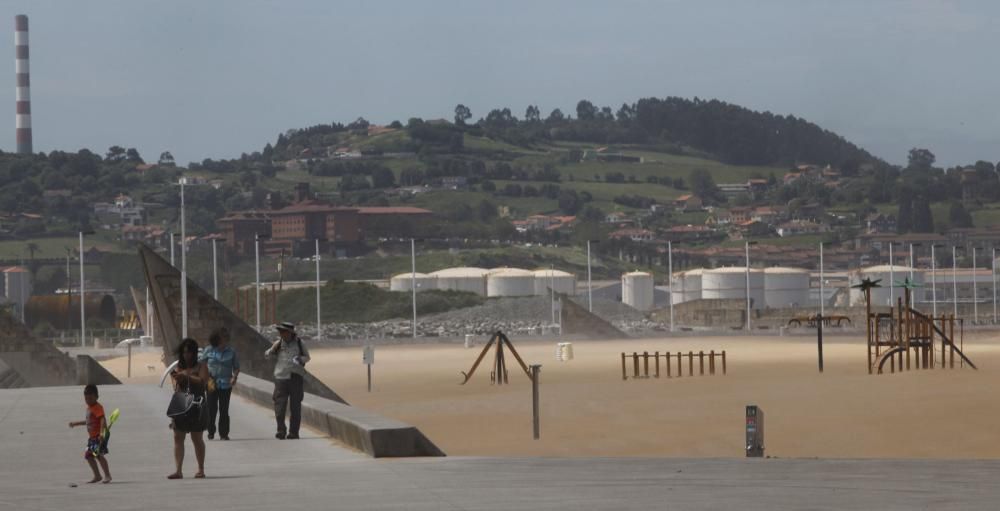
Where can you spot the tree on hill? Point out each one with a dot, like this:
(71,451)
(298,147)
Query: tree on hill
(167,159)
(904,217)
(703,185)
(923,218)
(920,159)
(958,216)
(532,114)
(585,110)
(462,114)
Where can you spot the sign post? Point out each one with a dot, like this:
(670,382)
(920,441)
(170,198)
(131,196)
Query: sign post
(368,359)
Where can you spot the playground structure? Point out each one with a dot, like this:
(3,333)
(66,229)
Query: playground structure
(810,321)
(245,304)
(667,356)
(498,376)
(905,337)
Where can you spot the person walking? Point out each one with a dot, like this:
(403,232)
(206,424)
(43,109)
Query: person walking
(289,372)
(223,369)
(190,376)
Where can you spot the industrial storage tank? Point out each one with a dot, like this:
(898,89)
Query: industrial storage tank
(560,281)
(686,286)
(786,287)
(472,280)
(510,282)
(881,295)
(63,311)
(637,290)
(406,281)
(731,283)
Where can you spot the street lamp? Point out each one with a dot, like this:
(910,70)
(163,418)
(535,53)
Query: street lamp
(670,277)
(590,289)
(822,282)
(171,249)
(256,254)
(892,276)
(83,314)
(954,280)
(975,293)
(319,318)
(934,279)
(993,266)
(184,283)
(215,268)
(747,247)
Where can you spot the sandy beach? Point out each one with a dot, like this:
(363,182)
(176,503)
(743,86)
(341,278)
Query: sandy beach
(588,410)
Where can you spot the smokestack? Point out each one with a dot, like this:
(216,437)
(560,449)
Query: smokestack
(23,118)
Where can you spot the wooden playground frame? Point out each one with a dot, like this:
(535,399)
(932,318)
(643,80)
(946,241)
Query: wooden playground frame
(907,338)
(668,356)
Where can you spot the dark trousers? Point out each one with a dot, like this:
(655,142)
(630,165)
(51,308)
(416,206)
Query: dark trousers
(285,391)
(218,402)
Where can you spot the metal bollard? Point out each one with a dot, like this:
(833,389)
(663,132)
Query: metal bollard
(534,397)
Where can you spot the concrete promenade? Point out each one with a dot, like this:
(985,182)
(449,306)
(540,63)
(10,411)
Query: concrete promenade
(40,456)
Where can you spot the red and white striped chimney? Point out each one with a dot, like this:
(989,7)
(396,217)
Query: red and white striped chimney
(23,95)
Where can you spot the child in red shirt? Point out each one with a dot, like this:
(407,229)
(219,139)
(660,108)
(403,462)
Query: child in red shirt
(97,443)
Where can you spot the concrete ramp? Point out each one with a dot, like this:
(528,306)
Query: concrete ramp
(37,363)
(577,320)
(90,372)
(205,314)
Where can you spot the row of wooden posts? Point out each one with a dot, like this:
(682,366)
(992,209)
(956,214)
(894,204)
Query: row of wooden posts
(245,304)
(667,356)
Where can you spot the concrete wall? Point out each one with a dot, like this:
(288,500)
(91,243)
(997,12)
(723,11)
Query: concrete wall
(372,434)
(89,371)
(577,320)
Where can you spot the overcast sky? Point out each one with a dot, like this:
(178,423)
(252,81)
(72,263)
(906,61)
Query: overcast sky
(213,79)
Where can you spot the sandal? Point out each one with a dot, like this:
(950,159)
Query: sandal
(199,475)
(176,475)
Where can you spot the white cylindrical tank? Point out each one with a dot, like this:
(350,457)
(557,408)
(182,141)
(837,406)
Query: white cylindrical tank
(510,282)
(786,287)
(731,283)
(637,290)
(692,284)
(881,296)
(560,281)
(472,280)
(405,282)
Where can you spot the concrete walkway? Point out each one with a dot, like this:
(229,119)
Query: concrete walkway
(40,456)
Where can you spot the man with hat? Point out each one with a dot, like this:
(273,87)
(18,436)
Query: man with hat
(289,371)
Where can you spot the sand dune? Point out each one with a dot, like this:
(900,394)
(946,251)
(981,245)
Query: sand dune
(587,410)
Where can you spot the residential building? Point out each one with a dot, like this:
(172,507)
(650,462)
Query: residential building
(877,223)
(688,202)
(637,235)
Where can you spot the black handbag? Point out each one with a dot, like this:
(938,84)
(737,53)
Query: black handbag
(182,403)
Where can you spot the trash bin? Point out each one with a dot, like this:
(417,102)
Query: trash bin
(468,341)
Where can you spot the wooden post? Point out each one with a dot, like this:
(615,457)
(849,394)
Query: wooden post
(679,366)
(711,362)
(635,365)
(701,363)
(668,364)
(624,374)
(690,363)
(645,364)
(657,356)
(723,362)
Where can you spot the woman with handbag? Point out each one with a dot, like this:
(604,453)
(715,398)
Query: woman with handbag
(224,368)
(187,408)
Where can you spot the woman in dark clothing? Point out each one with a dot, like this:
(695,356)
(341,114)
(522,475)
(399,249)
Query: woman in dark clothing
(192,376)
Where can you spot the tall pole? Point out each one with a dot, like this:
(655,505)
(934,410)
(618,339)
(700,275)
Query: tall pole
(149,315)
(184,287)
(22,94)
(911,262)
(319,318)
(892,276)
(590,290)
(822,288)
(670,275)
(954,282)
(215,272)
(747,247)
(993,267)
(552,293)
(975,293)
(83,318)
(933,281)
(256,259)
(413,282)
(171,249)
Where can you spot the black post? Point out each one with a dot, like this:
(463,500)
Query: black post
(534,397)
(369,377)
(819,340)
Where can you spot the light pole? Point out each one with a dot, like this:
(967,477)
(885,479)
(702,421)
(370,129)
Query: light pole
(413,282)
(747,247)
(319,318)
(954,281)
(256,257)
(911,262)
(590,289)
(171,249)
(892,276)
(993,266)
(975,293)
(822,285)
(670,277)
(83,314)
(934,279)
(184,287)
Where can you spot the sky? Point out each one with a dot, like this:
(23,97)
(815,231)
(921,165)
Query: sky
(220,78)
